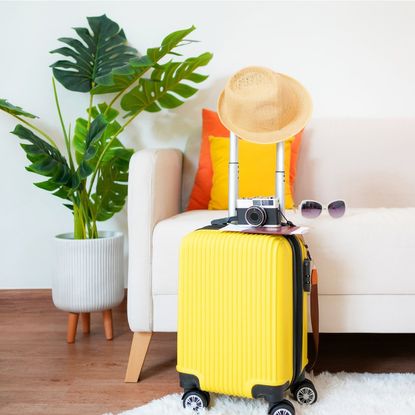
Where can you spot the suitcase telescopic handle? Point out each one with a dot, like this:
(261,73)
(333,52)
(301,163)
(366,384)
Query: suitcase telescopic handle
(233,176)
(280,175)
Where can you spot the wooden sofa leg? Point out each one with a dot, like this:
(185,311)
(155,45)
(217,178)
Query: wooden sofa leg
(138,351)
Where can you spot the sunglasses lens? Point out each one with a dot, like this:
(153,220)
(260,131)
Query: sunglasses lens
(336,209)
(311,209)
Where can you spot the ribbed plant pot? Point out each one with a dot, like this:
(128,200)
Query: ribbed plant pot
(89,273)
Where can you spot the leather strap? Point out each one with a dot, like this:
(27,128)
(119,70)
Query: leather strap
(314,314)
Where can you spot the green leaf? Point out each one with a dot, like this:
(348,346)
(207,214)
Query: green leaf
(112,185)
(169,101)
(62,193)
(87,144)
(198,78)
(100,50)
(112,128)
(13,109)
(47,161)
(110,113)
(48,185)
(123,77)
(79,138)
(184,90)
(112,178)
(153,94)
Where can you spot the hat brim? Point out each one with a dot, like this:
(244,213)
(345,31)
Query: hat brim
(303,115)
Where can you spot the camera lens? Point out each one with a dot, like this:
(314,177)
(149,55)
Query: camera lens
(255,216)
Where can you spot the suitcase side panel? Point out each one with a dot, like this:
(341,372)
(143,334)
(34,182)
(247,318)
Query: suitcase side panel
(304,351)
(235,327)
(305,332)
(300,309)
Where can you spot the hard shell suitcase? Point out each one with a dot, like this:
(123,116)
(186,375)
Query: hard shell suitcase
(242,318)
(242,327)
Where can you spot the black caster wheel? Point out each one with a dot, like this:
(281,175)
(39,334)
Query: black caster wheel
(283,408)
(305,393)
(195,400)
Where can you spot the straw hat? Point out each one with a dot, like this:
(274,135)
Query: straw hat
(264,106)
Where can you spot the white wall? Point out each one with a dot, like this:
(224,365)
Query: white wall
(357,59)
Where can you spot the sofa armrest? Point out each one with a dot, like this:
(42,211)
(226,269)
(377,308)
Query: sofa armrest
(154,193)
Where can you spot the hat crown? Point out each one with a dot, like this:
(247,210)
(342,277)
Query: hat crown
(259,101)
(256,100)
(250,79)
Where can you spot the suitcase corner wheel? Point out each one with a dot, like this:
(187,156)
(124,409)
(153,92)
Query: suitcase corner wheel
(195,399)
(282,408)
(304,392)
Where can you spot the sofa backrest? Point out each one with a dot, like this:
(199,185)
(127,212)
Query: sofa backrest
(367,162)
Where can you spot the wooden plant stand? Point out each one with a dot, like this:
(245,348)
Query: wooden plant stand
(86,324)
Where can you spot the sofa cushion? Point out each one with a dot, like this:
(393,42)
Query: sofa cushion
(368,251)
(256,173)
(201,190)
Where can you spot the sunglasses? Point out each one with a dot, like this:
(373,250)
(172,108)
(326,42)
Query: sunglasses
(311,209)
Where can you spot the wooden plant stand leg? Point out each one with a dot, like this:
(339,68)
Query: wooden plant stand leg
(107,315)
(72,326)
(139,347)
(86,322)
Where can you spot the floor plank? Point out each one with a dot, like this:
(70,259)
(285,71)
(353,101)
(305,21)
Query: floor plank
(41,374)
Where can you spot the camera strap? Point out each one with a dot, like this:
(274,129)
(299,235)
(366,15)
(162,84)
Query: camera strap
(287,222)
(222,222)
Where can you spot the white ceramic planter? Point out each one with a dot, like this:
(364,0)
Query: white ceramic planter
(89,273)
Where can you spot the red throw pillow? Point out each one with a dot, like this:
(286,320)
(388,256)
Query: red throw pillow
(211,126)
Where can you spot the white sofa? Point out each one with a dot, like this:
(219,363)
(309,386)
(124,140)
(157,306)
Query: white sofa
(366,273)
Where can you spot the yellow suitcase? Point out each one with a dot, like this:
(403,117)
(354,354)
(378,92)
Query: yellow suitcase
(242,323)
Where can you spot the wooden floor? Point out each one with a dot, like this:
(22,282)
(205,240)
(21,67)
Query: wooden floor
(41,374)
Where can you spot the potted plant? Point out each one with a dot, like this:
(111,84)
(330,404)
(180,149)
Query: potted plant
(92,176)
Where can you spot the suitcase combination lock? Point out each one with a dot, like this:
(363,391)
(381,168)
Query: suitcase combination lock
(307,275)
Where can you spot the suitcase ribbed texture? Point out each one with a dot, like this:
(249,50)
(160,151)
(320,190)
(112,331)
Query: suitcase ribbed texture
(235,327)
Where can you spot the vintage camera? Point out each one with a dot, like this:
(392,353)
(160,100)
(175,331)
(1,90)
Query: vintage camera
(258,211)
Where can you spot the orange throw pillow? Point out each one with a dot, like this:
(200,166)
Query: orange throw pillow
(211,126)
(200,196)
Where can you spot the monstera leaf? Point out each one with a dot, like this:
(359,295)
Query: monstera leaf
(109,113)
(111,188)
(47,161)
(112,185)
(99,51)
(165,86)
(119,79)
(87,144)
(14,110)
(111,130)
